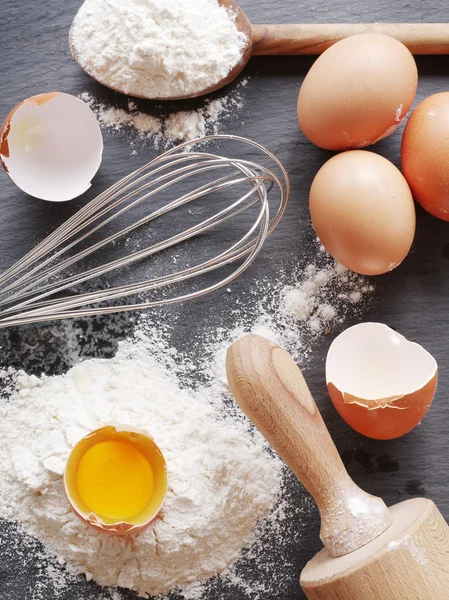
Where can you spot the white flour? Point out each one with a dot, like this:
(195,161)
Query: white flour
(316,301)
(157,48)
(180,126)
(219,460)
(221,480)
(322,294)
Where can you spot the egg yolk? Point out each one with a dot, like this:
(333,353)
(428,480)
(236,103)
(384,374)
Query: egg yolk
(115,480)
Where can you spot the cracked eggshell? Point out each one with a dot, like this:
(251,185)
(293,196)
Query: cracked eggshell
(141,439)
(381,384)
(425,154)
(357,92)
(51,146)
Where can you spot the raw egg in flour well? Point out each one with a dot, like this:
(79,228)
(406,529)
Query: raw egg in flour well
(425,154)
(363,212)
(116,480)
(357,92)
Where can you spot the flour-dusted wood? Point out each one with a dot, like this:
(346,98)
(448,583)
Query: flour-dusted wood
(272,392)
(410,561)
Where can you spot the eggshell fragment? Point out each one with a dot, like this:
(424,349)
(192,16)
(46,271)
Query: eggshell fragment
(363,212)
(381,384)
(357,92)
(425,154)
(51,146)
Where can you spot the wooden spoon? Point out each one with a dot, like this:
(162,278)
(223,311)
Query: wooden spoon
(271,391)
(420,38)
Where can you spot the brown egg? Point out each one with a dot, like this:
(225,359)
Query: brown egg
(425,154)
(363,212)
(357,92)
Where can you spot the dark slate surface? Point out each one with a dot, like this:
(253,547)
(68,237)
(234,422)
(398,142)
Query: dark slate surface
(413,299)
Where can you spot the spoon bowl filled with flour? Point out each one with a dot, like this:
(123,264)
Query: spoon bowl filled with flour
(161,49)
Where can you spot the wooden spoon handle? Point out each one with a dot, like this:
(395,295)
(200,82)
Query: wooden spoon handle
(420,38)
(271,390)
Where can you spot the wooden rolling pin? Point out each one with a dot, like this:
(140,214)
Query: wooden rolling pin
(371,552)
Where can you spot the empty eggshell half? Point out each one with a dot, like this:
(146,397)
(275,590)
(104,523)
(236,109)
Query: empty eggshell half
(51,146)
(381,384)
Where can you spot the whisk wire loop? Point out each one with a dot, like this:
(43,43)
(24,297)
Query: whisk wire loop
(30,290)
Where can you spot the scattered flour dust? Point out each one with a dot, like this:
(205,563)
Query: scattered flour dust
(321,293)
(221,480)
(228,510)
(157,48)
(316,301)
(409,543)
(180,126)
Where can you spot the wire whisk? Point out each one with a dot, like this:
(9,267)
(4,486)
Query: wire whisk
(78,270)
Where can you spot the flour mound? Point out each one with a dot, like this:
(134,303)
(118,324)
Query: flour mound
(222,481)
(157,48)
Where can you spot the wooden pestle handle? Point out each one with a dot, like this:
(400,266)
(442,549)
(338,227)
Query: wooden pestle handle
(420,38)
(271,391)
